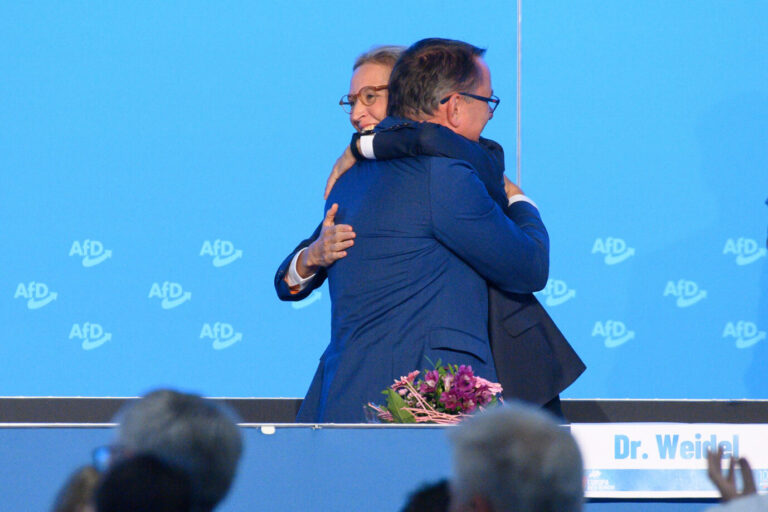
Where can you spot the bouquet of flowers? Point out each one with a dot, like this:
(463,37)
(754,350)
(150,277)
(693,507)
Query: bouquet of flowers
(446,394)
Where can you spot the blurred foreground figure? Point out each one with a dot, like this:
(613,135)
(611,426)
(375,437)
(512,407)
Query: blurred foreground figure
(515,458)
(144,483)
(433,497)
(187,432)
(77,492)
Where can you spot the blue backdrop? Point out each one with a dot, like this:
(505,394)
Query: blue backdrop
(157,162)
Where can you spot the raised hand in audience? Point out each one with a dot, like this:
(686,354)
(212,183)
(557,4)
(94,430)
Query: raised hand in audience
(726,484)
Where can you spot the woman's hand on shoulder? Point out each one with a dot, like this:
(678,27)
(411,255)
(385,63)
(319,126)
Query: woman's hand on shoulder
(342,165)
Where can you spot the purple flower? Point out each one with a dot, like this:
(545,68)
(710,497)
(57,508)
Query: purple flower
(468,405)
(484,396)
(464,379)
(429,385)
(449,400)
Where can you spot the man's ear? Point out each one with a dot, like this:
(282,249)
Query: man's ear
(453,111)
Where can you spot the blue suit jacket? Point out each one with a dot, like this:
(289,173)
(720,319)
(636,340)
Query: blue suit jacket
(534,361)
(414,289)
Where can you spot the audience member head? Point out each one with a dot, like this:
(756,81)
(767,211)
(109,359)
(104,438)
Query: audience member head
(143,483)
(435,497)
(77,492)
(515,458)
(186,431)
(429,70)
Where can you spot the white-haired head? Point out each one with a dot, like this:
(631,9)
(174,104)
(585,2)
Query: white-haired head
(515,458)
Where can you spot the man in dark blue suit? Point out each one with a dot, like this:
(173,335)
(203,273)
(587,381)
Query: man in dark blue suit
(534,361)
(428,237)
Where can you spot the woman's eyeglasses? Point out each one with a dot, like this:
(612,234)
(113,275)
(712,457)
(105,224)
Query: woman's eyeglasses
(367,96)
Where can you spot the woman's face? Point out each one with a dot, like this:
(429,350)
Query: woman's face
(364,117)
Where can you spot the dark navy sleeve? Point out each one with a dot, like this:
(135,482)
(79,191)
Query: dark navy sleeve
(509,250)
(429,139)
(495,150)
(283,291)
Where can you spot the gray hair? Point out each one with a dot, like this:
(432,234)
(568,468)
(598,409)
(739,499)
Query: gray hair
(189,432)
(386,55)
(518,459)
(428,71)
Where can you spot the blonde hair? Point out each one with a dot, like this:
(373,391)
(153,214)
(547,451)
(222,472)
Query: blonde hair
(384,54)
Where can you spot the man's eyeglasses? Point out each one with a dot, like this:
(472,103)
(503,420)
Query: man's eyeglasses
(367,96)
(493,101)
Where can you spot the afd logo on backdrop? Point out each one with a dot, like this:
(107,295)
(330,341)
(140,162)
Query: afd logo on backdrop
(556,292)
(615,250)
(37,294)
(688,293)
(613,332)
(746,250)
(222,334)
(222,251)
(92,252)
(172,294)
(313,297)
(744,333)
(91,334)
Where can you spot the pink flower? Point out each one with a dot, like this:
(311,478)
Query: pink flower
(447,382)
(493,387)
(408,379)
(429,385)
(468,405)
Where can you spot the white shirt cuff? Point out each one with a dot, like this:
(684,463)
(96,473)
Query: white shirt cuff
(366,146)
(293,278)
(520,197)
